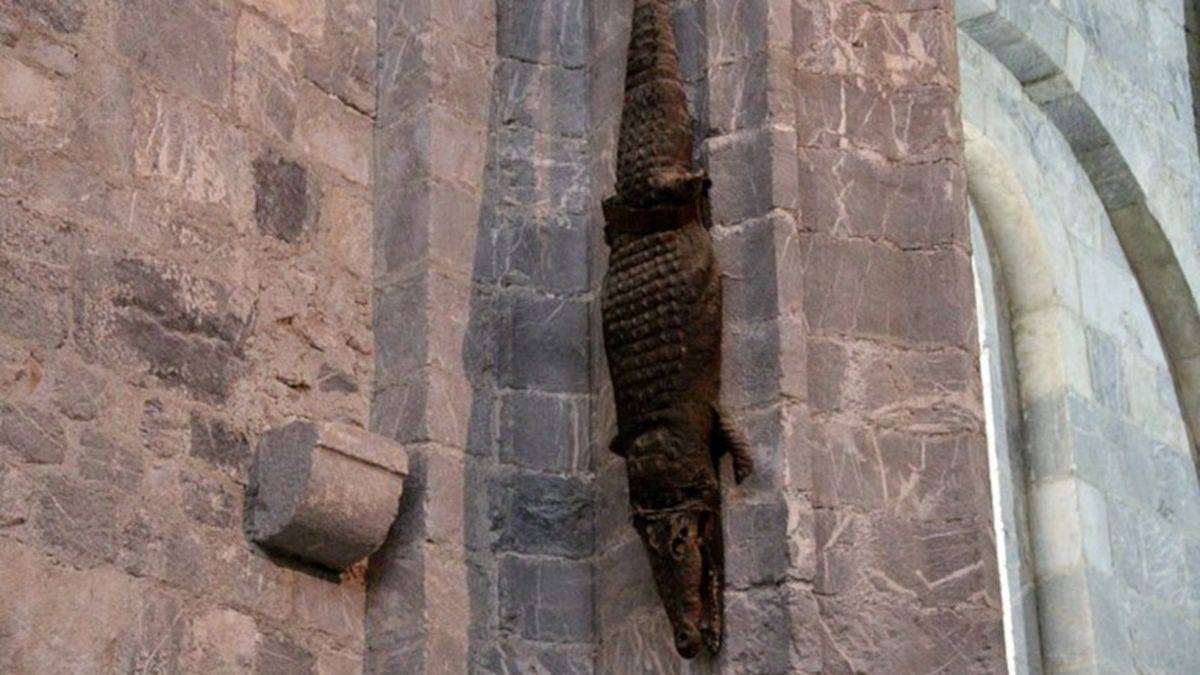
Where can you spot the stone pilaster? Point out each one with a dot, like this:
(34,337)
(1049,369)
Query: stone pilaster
(430,145)
(906,576)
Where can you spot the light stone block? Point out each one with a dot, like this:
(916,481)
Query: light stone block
(324,493)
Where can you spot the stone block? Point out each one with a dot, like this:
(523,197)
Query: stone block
(756,544)
(280,655)
(903,204)
(343,64)
(937,303)
(34,435)
(192,149)
(740,167)
(64,16)
(335,134)
(187,330)
(544,432)
(544,31)
(1108,372)
(546,345)
(306,17)
(286,198)
(546,600)
(27,95)
(264,84)
(221,640)
(208,501)
(79,393)
(738,94)
(324,493)
(215,442)
(546,253)
(550,99)
(109,462)
(186,46)
(542,514)
(77,519)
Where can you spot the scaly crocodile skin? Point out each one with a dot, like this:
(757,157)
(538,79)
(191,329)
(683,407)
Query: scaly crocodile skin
(662,335)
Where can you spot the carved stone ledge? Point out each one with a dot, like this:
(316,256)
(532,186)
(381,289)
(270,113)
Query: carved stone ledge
(324,493)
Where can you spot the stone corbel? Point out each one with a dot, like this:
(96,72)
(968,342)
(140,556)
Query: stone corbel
(324,493)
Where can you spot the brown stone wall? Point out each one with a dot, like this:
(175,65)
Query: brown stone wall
(185,247)
(906,576)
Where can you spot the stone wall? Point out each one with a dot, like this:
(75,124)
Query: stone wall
(185,218)
(864,543)
(1112,487)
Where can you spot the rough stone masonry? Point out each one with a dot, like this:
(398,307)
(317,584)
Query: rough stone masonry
(220,216)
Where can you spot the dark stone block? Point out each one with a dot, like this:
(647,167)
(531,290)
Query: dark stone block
(64,16)
(35,435)
(163,295)
(548,254)
(536,513)
(77,519)
(548,346)
(205,369)
(218,444)
(103,460)
(546,600)
(544,432)
(544,31)
(757,544)
(283,206)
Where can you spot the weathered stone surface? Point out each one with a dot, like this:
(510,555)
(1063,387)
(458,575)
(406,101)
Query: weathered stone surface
(324,493)
(109,462)
(33,434)
(187,330)
(333,380)
(189,49)
(77,520)
(222,640)
(542,514)
(278,655)
(546,601)
(344,65)
(306,17)
(284,206)
(264,85)
(190,148)
(215,442)
(27,95)
(64,16)
(133,358)
(334,134)
(80,394)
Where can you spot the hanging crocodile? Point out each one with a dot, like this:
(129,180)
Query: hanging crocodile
(662,335)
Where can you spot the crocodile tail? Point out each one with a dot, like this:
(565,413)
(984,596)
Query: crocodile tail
(654,155)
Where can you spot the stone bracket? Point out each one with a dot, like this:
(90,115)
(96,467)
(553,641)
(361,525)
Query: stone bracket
(324,493)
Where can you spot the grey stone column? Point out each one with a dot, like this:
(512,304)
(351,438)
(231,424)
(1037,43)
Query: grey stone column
(529,507)
(430,141)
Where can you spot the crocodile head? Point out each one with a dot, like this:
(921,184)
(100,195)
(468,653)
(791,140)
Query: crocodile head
(680,558)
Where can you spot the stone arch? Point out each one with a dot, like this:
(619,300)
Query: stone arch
(1051,73)
(1019,253)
